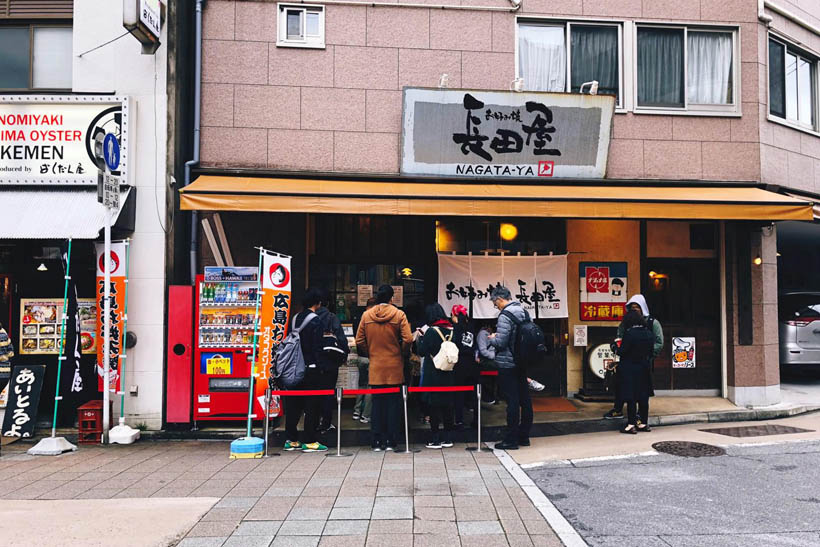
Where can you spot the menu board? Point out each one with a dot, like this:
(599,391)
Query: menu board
(40,325)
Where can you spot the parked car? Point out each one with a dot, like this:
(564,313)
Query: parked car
(799,328)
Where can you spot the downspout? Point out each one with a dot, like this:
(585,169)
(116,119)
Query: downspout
(761,13)
(197,116)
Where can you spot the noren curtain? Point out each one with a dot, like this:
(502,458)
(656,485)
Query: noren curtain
(542,57)
(595,57)
(709,67)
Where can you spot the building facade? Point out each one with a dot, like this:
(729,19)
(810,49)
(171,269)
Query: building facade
(304,104)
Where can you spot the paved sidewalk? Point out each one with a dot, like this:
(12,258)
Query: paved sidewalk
(434,497)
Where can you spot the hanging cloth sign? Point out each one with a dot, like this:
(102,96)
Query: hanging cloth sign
(274,320)
(24,396)
(116,264)
(534,281)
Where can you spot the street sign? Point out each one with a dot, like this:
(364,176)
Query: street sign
(111,191)
(111,151)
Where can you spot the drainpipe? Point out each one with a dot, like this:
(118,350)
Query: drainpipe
(197,115)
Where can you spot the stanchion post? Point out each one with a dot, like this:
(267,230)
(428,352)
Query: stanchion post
(339,453)
(267,418)
(407,449)
(478,418)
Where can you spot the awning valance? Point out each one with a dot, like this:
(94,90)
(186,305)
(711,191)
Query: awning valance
(52,213)
(242,193)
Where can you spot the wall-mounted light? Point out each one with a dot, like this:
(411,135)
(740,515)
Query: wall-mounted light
(443,80)
(42,267)
(508,231)
(758,261)
(517,85)
(653,274)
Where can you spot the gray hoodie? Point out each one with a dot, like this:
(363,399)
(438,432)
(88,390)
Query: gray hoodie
(656,325)
(485,350)
(504,339)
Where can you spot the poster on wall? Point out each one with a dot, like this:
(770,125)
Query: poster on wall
(40,322)
(683,352)
(534,281)
(603,290)
(274,322)
(53,139)
(363,294)
(116,266)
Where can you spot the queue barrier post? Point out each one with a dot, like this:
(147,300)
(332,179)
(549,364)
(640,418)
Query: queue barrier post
(407,449)
(339,453)
(477,447)
(267,419)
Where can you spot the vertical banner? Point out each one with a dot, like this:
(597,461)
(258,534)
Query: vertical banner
(274,320)
(116,265)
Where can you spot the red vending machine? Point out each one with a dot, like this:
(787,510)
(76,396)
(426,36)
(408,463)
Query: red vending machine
(225,304)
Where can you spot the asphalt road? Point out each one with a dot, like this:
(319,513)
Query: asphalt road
(766,495)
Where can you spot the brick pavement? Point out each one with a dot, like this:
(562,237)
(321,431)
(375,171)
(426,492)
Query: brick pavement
(434,497)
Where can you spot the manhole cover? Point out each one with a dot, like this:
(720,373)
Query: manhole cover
(757,430)
(688,449)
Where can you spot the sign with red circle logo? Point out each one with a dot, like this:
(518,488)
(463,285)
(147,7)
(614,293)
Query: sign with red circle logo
(113,262)
(279,275)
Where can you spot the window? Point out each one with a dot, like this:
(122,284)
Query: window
(685,68)
(792,85)
(301,26)
(35,57)
(549,61)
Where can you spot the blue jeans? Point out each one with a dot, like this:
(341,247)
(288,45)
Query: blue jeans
(513,386)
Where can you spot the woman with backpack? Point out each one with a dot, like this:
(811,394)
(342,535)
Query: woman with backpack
(633,375)
(439,404)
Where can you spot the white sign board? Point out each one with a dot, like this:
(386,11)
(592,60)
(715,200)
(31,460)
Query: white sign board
(150,16)
(111,191)
(600,359)
(363,294)
(683,352)
(53,139)
(580,335)
(492,134)
(532,280)
(398,295)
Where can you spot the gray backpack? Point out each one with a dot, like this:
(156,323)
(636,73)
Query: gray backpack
(289,362)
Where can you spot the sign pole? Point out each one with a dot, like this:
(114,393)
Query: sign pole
(106,324)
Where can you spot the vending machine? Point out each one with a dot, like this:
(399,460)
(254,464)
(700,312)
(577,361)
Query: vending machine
(225,304)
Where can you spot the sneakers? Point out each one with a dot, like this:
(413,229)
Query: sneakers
(613,415)
(643,427)
(447,444)
(326,428)
(376,447)
(364,420)
(356,415)
(390,447)
(314,447)
(292,445)
(535,385)
(434,444)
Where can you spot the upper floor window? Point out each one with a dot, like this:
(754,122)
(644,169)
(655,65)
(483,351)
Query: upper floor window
(301,25)
(792,85)
(35,57)
(562,57)
(685,68)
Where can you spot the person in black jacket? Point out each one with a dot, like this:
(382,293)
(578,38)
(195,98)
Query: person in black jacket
(633,369)
(330,359)
(310,338)
(466,370)
(440,404)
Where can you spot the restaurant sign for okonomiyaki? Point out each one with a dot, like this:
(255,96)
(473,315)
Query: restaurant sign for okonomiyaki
(54,139)
(471,133)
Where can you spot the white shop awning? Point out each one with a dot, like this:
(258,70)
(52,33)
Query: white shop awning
(49,213)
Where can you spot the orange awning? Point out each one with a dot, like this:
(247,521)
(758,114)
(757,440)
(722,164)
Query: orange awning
(293,195)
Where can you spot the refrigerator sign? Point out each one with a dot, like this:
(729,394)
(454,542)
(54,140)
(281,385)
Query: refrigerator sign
(216,364)
(603,290)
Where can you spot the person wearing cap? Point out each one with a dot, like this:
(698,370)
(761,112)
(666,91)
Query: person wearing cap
(637,303)
(466,370)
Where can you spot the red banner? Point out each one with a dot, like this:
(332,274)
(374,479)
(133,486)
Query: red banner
(274,321)
(116,264)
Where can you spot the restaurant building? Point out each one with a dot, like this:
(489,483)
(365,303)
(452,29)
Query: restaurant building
(650,146)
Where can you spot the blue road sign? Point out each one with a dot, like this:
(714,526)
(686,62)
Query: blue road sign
(111,151)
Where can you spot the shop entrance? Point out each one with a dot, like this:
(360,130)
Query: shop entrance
(684,295)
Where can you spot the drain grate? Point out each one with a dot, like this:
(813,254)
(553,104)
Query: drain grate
(757,430)
(688,449)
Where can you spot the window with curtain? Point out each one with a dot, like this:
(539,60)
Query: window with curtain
(544,51)
(35,57)
(792,92)
(685,68)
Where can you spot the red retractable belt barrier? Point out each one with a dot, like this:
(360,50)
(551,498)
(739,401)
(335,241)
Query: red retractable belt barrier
(439,388)
(489,373)
(303,392)
(371,391)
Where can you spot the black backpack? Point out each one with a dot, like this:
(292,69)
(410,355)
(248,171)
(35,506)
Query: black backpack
(530,345)
(333,353)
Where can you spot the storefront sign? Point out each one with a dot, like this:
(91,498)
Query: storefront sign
(24,396)
(580,338)
(683,352)
(600,359)
(603,290)
(55,139)
(116,265)
(532,280)
(231,273)
(40,321)
(491,134)
(275,319)
(363,294)
(216,363)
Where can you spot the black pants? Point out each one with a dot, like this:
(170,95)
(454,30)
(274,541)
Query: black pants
(329,379)
(513,386)
(385,419)
(441,414)
(618,403)
(642,408)
(310,406)
(464,399)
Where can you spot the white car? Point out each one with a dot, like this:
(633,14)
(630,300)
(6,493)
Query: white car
(799,328)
